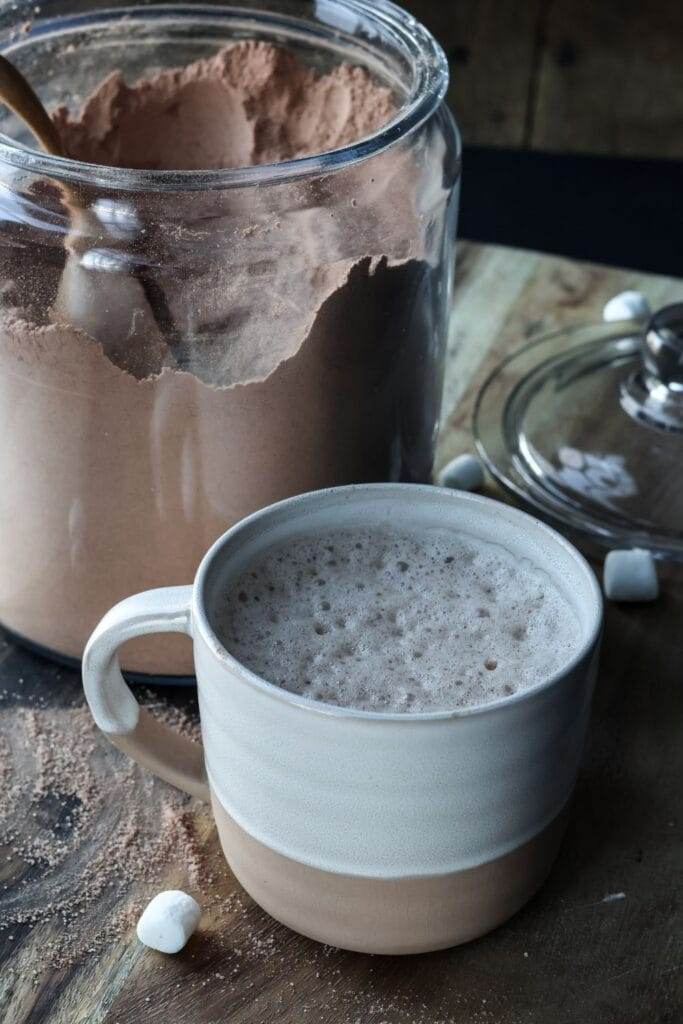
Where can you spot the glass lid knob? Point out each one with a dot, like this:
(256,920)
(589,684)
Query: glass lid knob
(653,395)
(663,346)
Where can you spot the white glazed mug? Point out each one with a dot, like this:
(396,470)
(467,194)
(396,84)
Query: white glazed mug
(378,832)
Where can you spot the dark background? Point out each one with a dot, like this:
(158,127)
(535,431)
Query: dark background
(571,113)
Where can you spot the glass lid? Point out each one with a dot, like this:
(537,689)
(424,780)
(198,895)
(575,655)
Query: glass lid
(585,428)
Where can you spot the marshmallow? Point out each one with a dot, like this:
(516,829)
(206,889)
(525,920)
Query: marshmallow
(463,473)
(627,306)
(630,576)
(168,921)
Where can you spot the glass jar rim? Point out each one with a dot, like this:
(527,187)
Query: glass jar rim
(426,96)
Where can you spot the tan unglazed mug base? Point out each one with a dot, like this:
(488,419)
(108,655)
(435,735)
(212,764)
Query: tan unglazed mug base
(392,915)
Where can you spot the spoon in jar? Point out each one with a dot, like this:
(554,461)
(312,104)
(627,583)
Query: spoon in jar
(98,292)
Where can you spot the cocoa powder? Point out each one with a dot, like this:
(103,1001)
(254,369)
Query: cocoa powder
(93,832)
(295,327)
(251,103)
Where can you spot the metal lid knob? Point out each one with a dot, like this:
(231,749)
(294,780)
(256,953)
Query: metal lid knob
(663,347)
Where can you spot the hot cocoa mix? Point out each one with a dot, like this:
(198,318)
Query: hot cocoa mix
(267,341)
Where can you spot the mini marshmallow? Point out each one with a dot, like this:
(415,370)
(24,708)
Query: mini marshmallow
(630,576)
(627,306)
(463,473)
(168,921)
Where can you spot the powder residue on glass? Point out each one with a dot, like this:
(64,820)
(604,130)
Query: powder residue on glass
(212,349)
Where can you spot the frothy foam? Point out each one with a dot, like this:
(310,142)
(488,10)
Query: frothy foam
(397,620)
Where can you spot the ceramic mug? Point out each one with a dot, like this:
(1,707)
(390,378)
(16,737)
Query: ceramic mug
(378,832)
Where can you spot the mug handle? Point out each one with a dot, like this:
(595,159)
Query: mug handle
(132,729)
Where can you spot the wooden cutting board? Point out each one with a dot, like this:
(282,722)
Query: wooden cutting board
(601,942)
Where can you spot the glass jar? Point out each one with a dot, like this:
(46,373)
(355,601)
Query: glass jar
(181,347)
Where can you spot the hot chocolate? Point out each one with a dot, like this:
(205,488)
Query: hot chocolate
(384,619)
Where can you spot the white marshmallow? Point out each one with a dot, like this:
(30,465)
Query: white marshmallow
(463,473)
(627,306)
(630,576)
(168,921)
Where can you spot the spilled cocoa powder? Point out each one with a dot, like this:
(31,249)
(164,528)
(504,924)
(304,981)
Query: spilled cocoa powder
(86,838)
(90,838)
(276,340)
(90,833)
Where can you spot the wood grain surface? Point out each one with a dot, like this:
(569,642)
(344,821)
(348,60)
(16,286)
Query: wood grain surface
(491,48)
(574,76)
(600,944)
(610,79)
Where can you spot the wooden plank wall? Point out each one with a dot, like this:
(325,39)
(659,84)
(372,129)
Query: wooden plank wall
(579,76)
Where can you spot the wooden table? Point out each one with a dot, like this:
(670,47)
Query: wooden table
(601,942)
(571,76)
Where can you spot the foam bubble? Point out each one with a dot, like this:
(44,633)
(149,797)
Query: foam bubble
(396,620)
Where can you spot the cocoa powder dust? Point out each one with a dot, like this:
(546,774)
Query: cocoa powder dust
(87,838)
(91,835)
(251,103)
